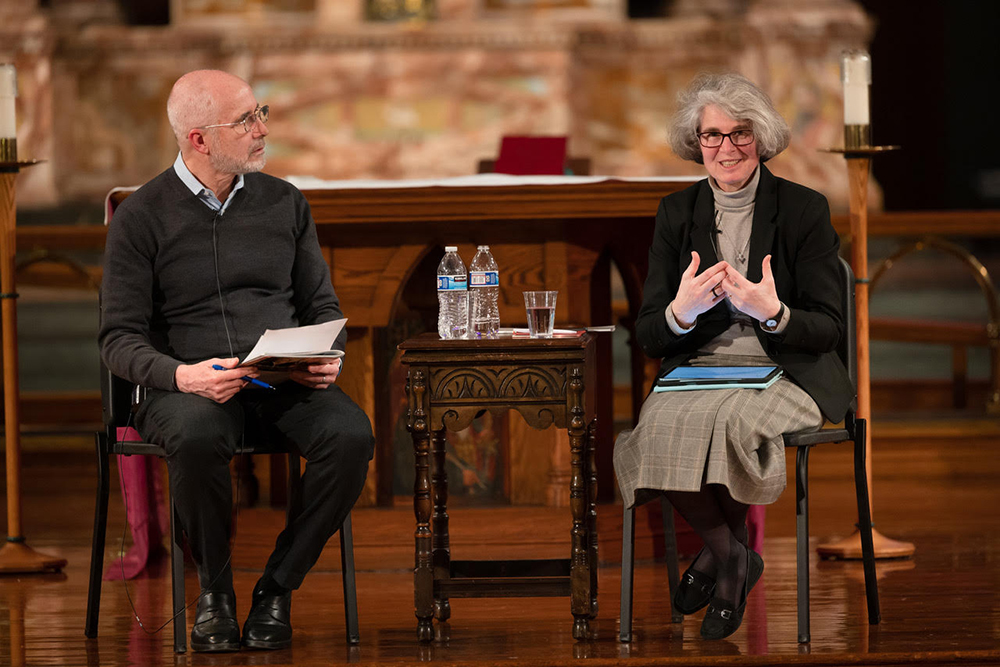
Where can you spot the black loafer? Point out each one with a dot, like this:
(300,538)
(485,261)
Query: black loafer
(723,618)
(215,627)
(269,625)
(695,589)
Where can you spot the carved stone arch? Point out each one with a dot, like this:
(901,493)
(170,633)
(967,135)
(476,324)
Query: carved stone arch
(404,305)
(627,254)
(396,269)
(632,277)
(394,279)
(633,274)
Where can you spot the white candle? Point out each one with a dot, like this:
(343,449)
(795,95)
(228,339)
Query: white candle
(856,74)
(8,91)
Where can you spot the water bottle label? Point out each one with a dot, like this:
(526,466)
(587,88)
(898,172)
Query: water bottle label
(450,283)
(484,279)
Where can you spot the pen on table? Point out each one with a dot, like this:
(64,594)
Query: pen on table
(259,383)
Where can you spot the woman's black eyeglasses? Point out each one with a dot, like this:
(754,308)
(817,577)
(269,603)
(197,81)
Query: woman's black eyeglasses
(715,139)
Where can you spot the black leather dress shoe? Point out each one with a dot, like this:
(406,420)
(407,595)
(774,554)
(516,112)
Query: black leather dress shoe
(695,589)
(215,627)
(269,625)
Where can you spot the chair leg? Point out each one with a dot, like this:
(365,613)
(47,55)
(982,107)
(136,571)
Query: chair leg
(177,581)
(865,521)
(99,537)
(350,589)
(670,551)
(802,540)
(628,568)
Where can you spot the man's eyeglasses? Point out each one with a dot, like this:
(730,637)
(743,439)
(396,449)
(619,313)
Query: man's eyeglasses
(247,123)
(715,139)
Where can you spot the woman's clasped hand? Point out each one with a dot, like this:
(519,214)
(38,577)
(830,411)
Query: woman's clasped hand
(758,300)
(698,293)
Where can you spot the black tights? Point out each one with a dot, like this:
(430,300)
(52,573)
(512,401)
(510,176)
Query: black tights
(721,522)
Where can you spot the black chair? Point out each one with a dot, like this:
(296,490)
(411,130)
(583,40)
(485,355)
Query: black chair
(116,397)
(854,431)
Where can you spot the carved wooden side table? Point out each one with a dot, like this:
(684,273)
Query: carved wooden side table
(549,382)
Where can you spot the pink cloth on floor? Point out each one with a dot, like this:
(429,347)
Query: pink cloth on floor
(142,489)
(755,528)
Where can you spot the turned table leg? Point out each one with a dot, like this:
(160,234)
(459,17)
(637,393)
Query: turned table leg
(423,573)
(592,512)
(580,576)
(441,547)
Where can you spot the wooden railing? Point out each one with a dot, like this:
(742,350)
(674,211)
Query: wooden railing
(947,332)
(959,335)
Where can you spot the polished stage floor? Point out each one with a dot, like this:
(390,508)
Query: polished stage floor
(936,487)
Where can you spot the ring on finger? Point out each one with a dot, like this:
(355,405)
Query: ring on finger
(714,293)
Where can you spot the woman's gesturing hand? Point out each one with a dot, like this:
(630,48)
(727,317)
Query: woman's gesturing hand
(758,300)
(698,293)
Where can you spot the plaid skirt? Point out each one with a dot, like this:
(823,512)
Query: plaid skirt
(733,437)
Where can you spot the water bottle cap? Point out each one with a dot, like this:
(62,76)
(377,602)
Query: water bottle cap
(451,248)
(483,247)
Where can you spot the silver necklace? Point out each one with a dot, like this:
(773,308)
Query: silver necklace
(741,255)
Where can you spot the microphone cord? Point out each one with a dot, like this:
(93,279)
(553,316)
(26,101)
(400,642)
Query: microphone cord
(121,559)
(121,478)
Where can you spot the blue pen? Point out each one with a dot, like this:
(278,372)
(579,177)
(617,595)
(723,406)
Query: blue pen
(247,378)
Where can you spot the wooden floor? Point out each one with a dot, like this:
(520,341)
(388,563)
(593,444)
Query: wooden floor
(940,608)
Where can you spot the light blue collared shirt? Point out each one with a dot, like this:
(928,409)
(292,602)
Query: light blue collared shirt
(200,191)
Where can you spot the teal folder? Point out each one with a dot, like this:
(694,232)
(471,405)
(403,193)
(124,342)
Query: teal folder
(690,378)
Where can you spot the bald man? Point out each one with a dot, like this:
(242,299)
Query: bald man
(198,263)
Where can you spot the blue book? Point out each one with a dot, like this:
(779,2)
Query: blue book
(688,378)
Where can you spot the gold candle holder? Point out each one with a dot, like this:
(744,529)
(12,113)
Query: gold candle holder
(857,136)
(8,149)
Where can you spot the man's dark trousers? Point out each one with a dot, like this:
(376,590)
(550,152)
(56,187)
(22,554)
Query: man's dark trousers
(201,437)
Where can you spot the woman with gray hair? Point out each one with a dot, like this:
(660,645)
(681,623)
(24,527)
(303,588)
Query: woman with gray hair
(743,271)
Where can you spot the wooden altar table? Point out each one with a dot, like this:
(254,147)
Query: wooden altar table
(556,233)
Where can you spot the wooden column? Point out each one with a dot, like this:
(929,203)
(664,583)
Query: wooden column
(15,555)
(858,170)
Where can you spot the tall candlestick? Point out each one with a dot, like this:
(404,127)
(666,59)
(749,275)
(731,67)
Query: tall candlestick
(8,123)
(15,555)
(856,75)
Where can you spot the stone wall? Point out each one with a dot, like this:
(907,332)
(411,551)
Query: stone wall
(357,99)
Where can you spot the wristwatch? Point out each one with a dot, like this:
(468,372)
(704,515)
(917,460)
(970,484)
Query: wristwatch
(771,323)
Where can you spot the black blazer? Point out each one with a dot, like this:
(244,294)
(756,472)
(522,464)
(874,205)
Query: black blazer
(792,224)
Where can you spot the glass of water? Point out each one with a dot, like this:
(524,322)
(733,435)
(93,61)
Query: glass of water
(541,308)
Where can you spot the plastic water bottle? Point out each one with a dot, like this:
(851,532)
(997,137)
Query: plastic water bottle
(484,288)
(453,295)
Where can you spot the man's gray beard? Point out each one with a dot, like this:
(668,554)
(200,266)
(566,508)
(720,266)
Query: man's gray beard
(229,165)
